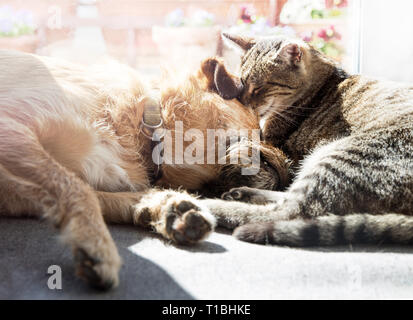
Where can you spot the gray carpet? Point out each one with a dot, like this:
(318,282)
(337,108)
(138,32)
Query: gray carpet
(219,268)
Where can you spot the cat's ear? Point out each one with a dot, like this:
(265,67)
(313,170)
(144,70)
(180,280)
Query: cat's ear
(292,53)
(238,42)
(220,80)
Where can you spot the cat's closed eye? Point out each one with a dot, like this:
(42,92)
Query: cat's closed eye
(257,90)
(281,85)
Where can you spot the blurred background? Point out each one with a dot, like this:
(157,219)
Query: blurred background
(369,36)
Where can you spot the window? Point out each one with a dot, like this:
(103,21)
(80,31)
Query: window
(147,34)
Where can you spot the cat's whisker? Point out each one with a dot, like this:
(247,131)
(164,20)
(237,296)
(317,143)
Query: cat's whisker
(284,117)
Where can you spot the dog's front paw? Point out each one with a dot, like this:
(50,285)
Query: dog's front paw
(100,273)
(186,222)
(245,194)
(178,216)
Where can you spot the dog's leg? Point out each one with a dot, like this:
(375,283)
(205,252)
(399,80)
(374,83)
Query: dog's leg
(66,201)
(19,197)
(118,207)
(175,215)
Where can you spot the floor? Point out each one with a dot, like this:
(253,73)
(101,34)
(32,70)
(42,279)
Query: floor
(219,268)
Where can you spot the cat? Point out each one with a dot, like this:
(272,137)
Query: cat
(350,139)
(74,149)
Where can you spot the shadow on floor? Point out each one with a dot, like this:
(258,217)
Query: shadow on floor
(28,247)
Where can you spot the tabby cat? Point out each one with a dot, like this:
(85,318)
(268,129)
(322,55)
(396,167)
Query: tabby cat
(349,137)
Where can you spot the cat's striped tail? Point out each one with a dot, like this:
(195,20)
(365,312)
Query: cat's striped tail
(331,230)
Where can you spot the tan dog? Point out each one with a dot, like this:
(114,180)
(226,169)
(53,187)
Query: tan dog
(72,149)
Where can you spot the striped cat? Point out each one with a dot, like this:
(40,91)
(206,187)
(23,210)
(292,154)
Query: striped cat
(349,137)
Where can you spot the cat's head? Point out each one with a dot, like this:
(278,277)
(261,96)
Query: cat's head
(274,72)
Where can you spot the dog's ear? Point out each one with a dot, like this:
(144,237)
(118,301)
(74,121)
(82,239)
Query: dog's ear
(220,80)
(208,67)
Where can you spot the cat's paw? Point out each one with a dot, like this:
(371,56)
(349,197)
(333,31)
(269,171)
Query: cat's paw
(245,194)
(260,233)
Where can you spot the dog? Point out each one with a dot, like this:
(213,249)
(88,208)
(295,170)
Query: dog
(77,146)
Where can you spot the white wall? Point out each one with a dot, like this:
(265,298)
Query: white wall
(387,39)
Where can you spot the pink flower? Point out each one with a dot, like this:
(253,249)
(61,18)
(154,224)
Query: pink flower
(245,15)
(341,3)
(323,34)
(332,33)
(329,33)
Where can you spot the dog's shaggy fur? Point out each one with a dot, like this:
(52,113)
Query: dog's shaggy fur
(72,150)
